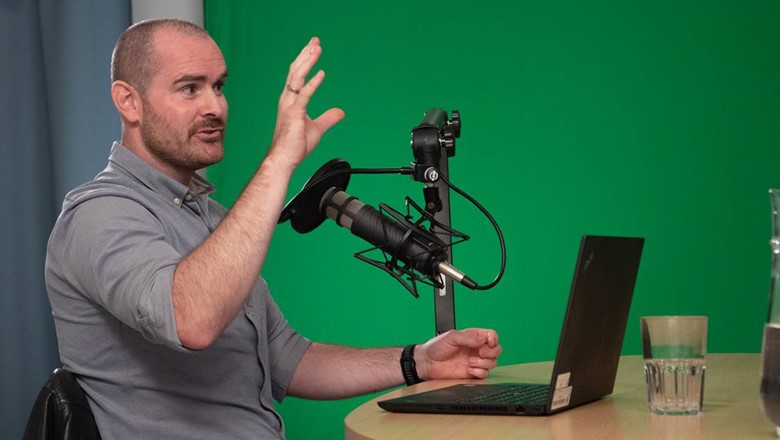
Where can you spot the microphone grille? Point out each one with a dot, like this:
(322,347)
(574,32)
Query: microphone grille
(340,207)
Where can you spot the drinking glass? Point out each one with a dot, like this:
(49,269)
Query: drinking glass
(674,349)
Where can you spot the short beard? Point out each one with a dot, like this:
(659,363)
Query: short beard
(161,141)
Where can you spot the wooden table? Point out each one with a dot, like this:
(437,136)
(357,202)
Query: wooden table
(732,410)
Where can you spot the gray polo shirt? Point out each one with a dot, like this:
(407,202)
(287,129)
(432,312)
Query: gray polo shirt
(109,272)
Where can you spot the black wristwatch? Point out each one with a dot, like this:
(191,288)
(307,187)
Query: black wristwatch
(408,366)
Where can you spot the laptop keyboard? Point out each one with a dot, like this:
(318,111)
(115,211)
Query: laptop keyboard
(520,394)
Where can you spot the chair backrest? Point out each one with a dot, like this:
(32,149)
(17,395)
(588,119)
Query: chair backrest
(61,411)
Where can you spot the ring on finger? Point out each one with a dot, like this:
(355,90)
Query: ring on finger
(293,89)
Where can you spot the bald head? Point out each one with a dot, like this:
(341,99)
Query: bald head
(135,60)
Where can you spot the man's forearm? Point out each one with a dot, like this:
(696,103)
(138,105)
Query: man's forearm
(212,283)
(336,372)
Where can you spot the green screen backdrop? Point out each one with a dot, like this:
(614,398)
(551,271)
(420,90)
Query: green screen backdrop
(654,119)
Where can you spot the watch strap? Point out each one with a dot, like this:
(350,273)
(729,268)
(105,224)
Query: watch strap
(409,366)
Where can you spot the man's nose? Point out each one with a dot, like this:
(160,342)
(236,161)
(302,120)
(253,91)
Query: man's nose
(214,104)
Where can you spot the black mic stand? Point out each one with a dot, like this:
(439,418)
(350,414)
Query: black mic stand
(444,297)
(433,143)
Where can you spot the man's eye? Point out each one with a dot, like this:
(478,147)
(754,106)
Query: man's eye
(218,87)
(188,90)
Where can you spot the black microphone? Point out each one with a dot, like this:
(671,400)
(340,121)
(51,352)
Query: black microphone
(419,249)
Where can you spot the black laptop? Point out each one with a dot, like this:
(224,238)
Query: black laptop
(588,350)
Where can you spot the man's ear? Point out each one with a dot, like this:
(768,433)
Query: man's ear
(127,101)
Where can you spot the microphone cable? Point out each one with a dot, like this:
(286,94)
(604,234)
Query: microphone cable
(493,222)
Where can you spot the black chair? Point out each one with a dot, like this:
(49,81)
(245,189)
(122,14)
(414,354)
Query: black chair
(61,411)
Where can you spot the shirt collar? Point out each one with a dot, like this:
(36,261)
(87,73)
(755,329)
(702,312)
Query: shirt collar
(155,180)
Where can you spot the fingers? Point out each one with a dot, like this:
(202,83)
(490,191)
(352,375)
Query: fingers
(328,119)
(485,341)
(469,353)
(296,85)
(475,337)
(298,91)
(480,367)
(316,128)
(479,373)
(484,363)
(296,134)
(294,96)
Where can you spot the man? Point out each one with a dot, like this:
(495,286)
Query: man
(155,289)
